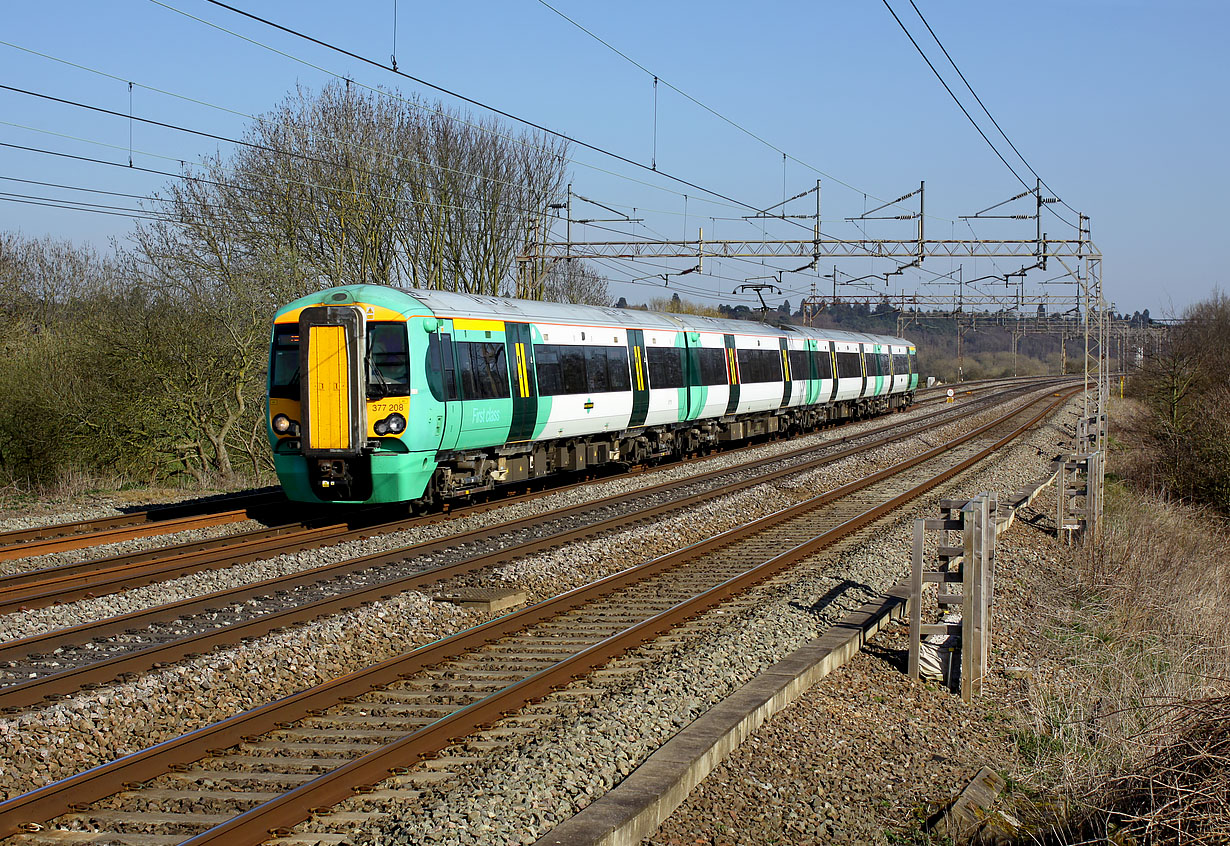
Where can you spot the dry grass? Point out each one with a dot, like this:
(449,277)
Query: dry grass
(1129,730)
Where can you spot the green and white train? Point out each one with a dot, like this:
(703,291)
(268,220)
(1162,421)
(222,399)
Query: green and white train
(380,394)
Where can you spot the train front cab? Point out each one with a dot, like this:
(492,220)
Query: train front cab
(344,377)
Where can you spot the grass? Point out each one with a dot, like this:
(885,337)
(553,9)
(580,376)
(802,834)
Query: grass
(1129,738)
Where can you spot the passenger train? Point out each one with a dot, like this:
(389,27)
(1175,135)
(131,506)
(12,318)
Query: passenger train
(380,394)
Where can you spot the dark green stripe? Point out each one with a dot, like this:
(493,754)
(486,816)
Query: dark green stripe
(640,397)
(733,403)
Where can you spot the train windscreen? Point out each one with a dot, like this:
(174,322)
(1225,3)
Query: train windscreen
(284,363)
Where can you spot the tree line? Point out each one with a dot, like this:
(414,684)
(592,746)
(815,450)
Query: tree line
(148,362)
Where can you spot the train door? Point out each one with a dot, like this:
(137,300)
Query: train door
(732,374)
(830,350)
(443,380)
(698,392)
(524,383)
(640,378)
(866,370)
(786,377)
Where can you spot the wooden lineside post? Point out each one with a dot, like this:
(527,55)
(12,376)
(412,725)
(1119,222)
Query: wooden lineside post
(916,583)
(972,565)
(969,629)
(1096,487)
(1071,518)
(990,534)
(1061,499)
(979,540)
(943,575)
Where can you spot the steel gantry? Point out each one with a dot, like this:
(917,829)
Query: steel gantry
(1079,257)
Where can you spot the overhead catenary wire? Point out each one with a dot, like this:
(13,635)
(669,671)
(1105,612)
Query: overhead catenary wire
(472,101)
(414,104)
(68,206)
(733,123)
(393,155)
(685,213)
(956,99)
(238,142)
(988,111)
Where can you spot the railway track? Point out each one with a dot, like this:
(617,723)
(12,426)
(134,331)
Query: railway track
(61,537)
(277,765)
(60,662)
(65,583)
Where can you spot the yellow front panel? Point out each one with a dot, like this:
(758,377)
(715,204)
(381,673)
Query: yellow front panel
(328,388)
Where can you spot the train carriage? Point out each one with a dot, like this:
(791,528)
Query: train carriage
(379,394)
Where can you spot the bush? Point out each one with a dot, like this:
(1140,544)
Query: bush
(1186,435)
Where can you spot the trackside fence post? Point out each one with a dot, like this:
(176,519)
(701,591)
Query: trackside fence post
(970,565)
(1079,495)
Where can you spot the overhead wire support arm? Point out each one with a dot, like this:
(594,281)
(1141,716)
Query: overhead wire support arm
(765,212)
(901,199)
(982,213)
(625,218)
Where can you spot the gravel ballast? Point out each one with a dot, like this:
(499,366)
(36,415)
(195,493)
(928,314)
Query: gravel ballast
(528,790)
(56,740)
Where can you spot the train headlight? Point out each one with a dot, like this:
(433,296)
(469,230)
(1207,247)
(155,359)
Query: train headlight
(381,427)
(282,424)
(396,423)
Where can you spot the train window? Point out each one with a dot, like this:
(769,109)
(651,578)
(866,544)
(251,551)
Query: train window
(848,366)
(800,365)
(760,365)
(823,360)
(546,365)
(572,369)
(665,367)
(434,367)
(886,365)
(713,366)
(284,363)
(579,370)
(901,364)
(450,368)
(388,360)
(617,369)
(484,370)
(595,370)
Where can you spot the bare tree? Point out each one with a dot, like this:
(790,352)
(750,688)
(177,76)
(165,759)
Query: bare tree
(574,281)
(384,189)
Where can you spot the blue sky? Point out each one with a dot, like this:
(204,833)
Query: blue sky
(1120,106)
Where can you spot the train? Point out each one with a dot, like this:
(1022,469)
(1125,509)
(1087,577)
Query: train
(379,394)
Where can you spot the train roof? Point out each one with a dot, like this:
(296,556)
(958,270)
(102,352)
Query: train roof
(453,303)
